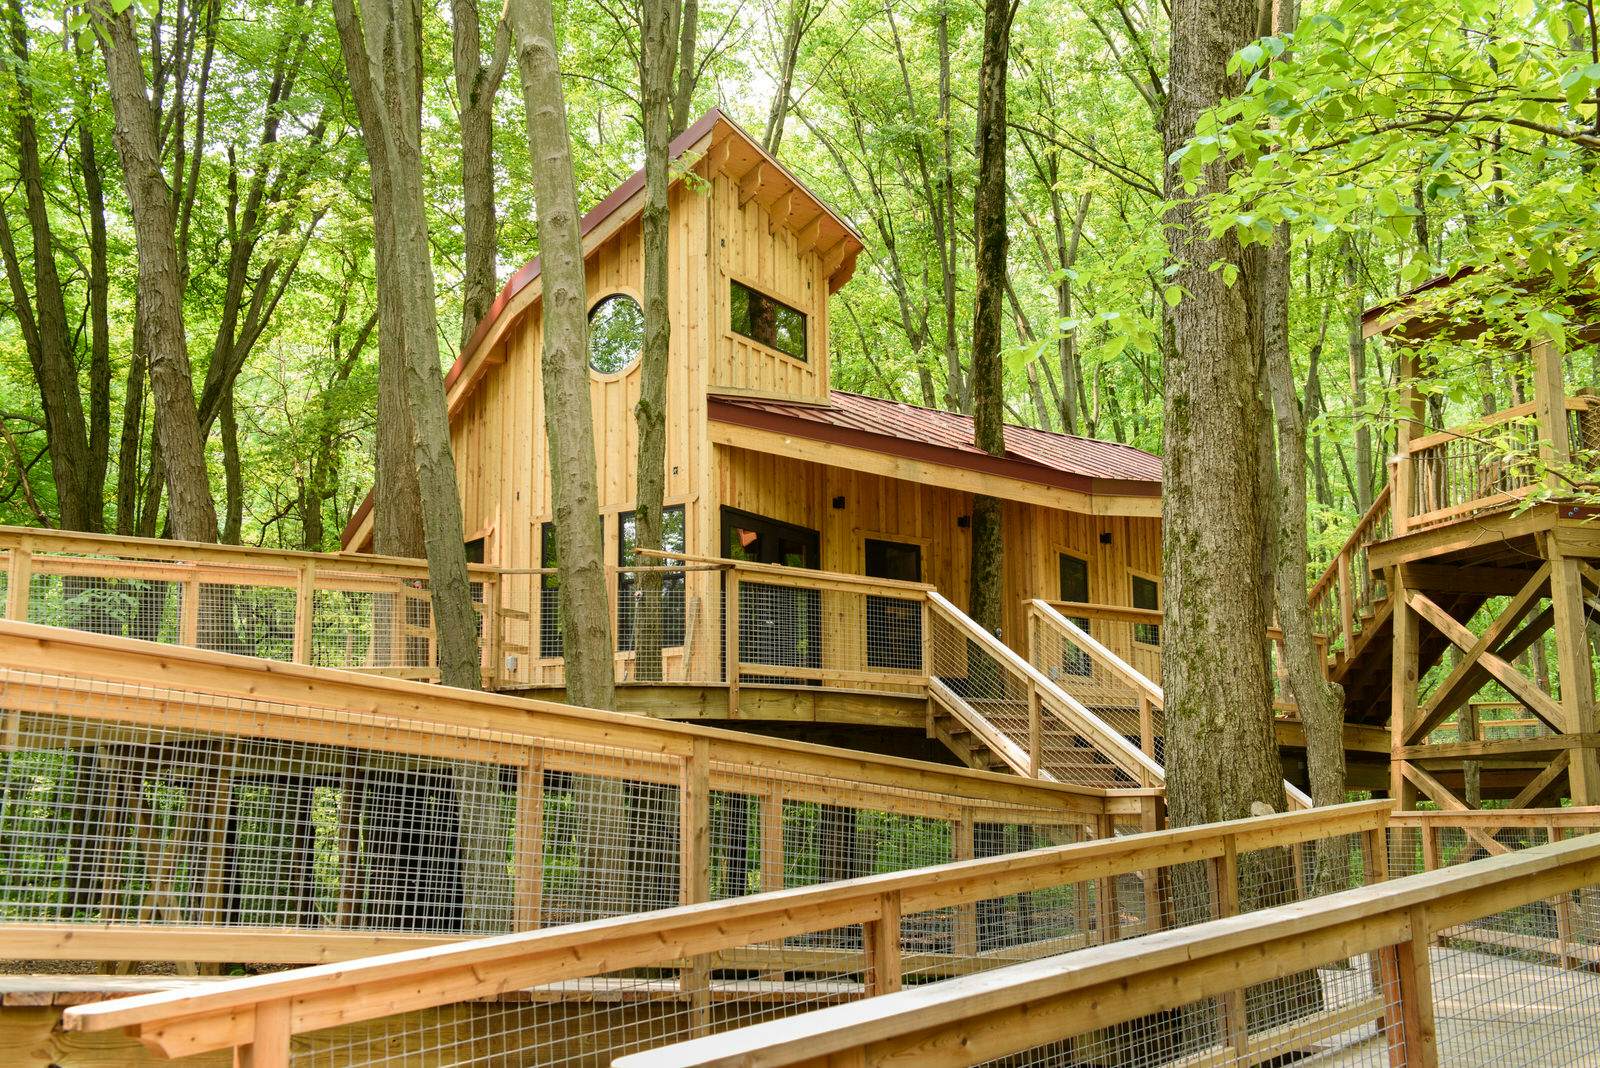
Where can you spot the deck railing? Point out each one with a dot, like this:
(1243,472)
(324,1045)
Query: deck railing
(1348,597)
(1038,727)
(356,611)
(1280,985)
(596,990)
(177,804)
(1129,699)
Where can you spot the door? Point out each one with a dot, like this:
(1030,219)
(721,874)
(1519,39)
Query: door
(894,624)
(778,625)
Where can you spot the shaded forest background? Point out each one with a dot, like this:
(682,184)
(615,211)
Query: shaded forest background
(1390,142)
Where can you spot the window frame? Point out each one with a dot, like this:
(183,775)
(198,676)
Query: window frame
(588,320)
(805,320)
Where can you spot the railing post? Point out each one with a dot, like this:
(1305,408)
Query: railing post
(694,875)
(1407,994)
(19,573)
(1347,608)
(1035,729)
(492,638)
(1147,726)
(965,943)
(1563,909)
(1151,817)
(528,877)
(189,615)
(881,944)
(1110,916)
(1235,1024)
(304,605)
(269,1044)
(730,616)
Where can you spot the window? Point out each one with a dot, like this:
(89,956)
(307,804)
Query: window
(475,551)
(1146,594)
(771,322)
(894,624)
(628,593)
(1074,586)
(616,334)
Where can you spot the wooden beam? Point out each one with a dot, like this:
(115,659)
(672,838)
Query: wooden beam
(750,184)
(1537,702)
(1575,663)
(1490,581)
(1530,794)
(1441,796)
(1454,688)
(780,212)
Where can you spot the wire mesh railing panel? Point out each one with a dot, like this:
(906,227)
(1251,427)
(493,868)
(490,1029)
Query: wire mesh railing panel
(798,630)
(667,623)
(1513,990)
(1084,669)
(149,609)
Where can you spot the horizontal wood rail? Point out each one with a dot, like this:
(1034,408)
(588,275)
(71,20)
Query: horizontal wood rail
(264,1011)
(970,1020)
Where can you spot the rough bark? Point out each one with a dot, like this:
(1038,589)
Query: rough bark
(659,23)
(688,72)
(99,302)
(1358,379)
(43,319)
(477,83)
(191,512)
(382,52)
(986,598)
(569,427)
(958,391)
(1222,754)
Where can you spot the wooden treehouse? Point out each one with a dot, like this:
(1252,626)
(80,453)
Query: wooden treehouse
(1460,614)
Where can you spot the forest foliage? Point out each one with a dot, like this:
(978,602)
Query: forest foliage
(1396,141)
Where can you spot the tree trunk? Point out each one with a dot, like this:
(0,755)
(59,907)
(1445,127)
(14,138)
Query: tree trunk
(1222,753)
(600,802)
(232,476)
(659,19)
(191,512)
(986,601)
(476,86)
(569,427)
(958,392)
(44,324)
(382,51)
(1358,380)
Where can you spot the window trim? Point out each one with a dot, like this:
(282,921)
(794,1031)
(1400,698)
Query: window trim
(731,277)
(588,314)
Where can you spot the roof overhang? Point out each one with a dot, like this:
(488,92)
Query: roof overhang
(1007,477)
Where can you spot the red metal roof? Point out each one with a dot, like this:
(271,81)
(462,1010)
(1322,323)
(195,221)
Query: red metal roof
(946,437)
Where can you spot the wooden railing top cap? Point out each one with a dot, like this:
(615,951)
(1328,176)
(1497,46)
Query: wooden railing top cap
(817,1034)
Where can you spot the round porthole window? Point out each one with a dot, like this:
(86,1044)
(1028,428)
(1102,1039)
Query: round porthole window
(616,333)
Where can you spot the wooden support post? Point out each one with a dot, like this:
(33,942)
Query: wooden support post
(1110,915)
(1550,406)
(19,575)
(881,940)
(1035,730)
(189,614)
(772,841)
(269,1046)
(694,878)
(965,943)
(1151,818)
(1563,911)
(493,640)
(1234,1023)
(1408,426)
(304,611)
(1403,688)
(528,866)
(1575,663)
(1407,995)
(1471,770)
(730,617)
(1347,608)
(1147,726)
(1430,847)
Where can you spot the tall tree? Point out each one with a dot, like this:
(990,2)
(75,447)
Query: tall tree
(569,422)
(477,82)
(988,386)
(191,511)
(1222,753)
(657,55)
(382,46)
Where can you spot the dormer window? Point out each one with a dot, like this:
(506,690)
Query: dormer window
(616,334)
(767,321)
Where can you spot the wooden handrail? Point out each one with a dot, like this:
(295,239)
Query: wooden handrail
(1067,709)
(1473,428)
(973,1019)
(801,576)
(1114,613)
(179,1023)
(1098,652)
(40,540)
(1379,505)
(1583,817)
